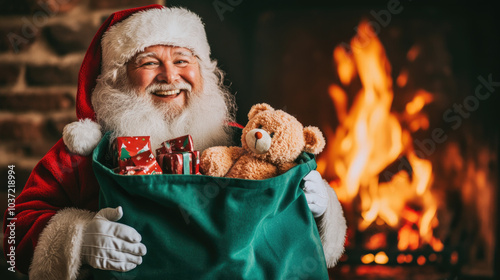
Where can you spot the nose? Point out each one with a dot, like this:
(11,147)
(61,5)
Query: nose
(258,135)
(168,73)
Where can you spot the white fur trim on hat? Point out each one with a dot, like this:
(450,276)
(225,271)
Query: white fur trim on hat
(81,137)
(168,26)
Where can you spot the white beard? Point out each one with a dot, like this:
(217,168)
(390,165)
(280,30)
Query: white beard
(127,113)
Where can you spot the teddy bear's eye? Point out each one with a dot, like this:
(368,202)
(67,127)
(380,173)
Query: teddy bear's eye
(259,126)
(272,134)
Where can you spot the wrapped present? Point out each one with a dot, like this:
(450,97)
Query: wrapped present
(129,146)
(180,162)
(177,156)
(131,170)
(179,144)
(196,163)
(147,162)
(134,157)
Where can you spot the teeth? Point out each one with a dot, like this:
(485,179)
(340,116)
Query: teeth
(168,92)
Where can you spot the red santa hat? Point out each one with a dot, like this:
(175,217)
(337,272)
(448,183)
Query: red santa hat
(121,36)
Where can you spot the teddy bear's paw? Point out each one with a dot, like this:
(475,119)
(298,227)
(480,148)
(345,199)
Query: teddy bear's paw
(215,161)
(208,168)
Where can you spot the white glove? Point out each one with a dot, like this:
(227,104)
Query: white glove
(109,245)
(316,194)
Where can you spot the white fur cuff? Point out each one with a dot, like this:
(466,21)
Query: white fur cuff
(332,229)
(57,254)
(81,137)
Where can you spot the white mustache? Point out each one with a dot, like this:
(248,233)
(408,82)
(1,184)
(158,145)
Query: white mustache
(164,87)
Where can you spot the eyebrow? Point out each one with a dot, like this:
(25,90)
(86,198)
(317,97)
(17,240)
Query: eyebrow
(144,55)
(154,54)
(184,53)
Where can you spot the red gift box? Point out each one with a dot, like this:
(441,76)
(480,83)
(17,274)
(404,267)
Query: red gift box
(132,170)
(180,163)
(129,146)
(177,156)
(148,162)
(179,144)
(134,157)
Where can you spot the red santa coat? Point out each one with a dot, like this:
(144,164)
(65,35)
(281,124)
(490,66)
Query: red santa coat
(60,180)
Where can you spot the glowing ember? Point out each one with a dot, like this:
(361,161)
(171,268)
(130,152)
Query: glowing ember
(378,240)
(368,258)
(409,258)
(401,258)
(421,260)
(381,258)
(454,257)
(368,139)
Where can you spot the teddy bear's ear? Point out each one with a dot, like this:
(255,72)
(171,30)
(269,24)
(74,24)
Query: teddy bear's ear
(315,142)
(257,108)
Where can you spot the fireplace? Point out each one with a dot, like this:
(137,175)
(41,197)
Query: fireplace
(401,196)
(405,99)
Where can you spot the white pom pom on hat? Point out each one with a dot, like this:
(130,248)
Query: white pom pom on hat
(81,137)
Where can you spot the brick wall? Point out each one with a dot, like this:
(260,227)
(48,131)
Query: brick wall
(42,44)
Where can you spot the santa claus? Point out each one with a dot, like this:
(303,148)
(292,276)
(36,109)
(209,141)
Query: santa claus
(147,71)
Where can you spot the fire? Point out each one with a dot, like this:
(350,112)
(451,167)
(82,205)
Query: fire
(421,99)
(379,258)
(369,138)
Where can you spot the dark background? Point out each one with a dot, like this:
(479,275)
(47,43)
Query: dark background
(254,39)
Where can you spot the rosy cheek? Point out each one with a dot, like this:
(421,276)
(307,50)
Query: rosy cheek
(141,78)
(191,74)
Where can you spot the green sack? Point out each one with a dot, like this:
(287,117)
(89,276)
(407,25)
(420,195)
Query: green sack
(203,227)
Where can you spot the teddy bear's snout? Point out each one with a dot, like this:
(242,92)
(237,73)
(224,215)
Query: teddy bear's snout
(258,140)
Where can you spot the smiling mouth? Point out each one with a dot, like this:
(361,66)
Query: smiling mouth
(168,93)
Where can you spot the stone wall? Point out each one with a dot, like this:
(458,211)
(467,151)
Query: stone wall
(42,45)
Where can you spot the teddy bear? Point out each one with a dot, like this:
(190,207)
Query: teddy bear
(270,143)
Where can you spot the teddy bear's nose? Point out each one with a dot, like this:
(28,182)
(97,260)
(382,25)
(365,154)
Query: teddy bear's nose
(258,135)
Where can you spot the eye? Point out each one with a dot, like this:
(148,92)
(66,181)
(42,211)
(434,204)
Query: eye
(259,126)
(272,134)
(182,62)
(149,64)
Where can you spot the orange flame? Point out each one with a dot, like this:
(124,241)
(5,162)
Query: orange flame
(413,53)
(345,65)
(421,99)
(402,79)
(370,137)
